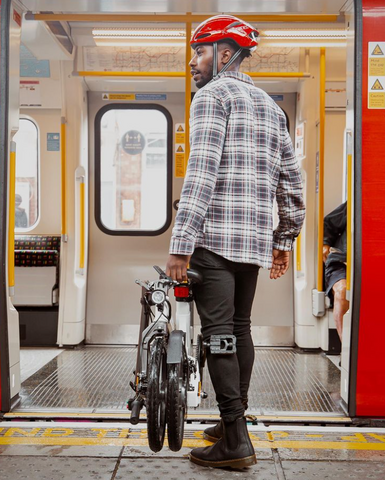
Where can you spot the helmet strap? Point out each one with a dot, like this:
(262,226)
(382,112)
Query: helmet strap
(231,61)
(215,59)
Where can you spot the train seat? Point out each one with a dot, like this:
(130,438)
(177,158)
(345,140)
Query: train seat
(36,270)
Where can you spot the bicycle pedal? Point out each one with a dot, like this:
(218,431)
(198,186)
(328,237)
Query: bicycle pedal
(223,344)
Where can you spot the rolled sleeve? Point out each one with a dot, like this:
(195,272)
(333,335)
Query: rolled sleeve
(291,208)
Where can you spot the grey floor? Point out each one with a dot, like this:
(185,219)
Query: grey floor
(96,379)
(32,359)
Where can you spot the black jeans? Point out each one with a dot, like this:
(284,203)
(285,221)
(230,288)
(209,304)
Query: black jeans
(224,302)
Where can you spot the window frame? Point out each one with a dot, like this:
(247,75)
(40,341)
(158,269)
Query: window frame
(18,230)
(97,165)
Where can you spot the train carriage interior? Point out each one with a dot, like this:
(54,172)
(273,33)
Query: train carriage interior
(98,113)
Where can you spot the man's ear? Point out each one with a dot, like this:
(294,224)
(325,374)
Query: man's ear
(226,54)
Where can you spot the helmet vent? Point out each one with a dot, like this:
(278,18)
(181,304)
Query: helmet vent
(203,35)
(234,24)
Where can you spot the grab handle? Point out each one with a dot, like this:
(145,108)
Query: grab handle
(11,220)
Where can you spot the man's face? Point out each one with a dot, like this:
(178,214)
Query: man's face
(202,65)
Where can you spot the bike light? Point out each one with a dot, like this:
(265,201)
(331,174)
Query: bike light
(158,297)
(181,292)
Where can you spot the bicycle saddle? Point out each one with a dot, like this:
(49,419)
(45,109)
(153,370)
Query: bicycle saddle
(194,276)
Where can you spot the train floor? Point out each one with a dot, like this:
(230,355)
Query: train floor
(94,380)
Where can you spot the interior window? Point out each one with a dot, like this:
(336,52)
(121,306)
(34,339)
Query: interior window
(27,178)
(133,169)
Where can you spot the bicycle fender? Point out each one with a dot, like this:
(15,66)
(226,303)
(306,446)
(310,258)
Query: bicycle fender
(175,347)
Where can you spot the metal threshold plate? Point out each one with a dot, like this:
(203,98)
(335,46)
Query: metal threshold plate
(94,382)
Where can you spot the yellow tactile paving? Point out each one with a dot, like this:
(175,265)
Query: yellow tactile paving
(80,436)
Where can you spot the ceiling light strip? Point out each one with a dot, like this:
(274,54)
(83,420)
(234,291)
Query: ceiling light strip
(81,17)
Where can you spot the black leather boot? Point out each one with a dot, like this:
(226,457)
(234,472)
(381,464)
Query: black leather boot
(213,434)
(233,450)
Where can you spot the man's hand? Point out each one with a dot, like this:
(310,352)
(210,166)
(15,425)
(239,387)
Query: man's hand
(280,264)
(325,252)
(176,267)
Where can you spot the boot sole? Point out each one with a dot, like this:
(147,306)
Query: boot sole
(235,463)
(210,438)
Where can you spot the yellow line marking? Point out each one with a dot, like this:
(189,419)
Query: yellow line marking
(190,443)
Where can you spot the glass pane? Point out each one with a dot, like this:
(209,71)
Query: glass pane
(27,201)
(133,169)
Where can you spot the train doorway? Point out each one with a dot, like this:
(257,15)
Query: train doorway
(100,96)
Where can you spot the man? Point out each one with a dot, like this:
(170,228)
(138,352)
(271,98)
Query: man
(241,158)
(21,220)
(334,256)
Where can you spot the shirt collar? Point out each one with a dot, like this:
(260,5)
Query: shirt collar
(236,75)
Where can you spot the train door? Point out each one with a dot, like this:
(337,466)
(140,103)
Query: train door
(120,140)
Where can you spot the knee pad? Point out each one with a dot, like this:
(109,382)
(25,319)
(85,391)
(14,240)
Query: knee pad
(223,344)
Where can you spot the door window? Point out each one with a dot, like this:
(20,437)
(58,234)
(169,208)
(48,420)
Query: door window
(133,153)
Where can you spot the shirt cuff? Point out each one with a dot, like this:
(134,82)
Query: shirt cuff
(180,246)
(284,243)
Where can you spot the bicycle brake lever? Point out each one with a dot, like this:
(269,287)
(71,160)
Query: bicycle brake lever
(145,285)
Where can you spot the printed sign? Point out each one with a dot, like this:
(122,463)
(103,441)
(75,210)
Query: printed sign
(134,96)
(179,160)
(376,75)
(180,133)
(30,95)
(133,142)
(53,142)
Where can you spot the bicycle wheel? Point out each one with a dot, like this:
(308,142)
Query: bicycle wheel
(157,394)
(177,383)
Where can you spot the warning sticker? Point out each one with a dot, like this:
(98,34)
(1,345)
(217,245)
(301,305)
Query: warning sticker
(118,96)
(179,160)
(376,100)
(377,50)
(376,75)
(180,133)
(377,85)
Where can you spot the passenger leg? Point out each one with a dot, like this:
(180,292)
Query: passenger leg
(214,299)
(245,285)
(341,305)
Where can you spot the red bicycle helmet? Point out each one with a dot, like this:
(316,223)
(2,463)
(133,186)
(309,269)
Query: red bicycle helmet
(225,27)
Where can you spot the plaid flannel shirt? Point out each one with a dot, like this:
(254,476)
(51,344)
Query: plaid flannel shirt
(241,158)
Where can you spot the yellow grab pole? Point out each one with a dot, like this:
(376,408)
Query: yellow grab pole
(95,18)
(129,74)
(321,172)
(82,224)
(11,220)
(187,95)
(349,224)
(63,180)
(299,259)
(279,74)
(83,73)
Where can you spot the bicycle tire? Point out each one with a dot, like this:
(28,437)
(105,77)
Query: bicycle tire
(157,394)
(177,383)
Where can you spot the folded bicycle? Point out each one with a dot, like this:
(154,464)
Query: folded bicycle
(168,374)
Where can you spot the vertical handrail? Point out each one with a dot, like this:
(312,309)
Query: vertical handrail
(187,93)
(82,226)
(321,161)
(299,252)
(349,217)
(63,180)
(11,220)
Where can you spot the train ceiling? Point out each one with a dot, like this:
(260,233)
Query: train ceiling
(184,6)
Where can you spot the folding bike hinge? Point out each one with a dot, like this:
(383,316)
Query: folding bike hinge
(223,344)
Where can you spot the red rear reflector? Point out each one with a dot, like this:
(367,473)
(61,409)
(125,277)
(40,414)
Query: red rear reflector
(181,292)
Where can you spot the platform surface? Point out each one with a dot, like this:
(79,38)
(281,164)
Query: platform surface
(111,451)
